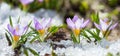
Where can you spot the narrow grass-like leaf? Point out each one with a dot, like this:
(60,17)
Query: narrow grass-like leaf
(73,38)
(35,37)
(94,35)
(85,35)
(10,21)
(9,34)
(18,21)
(26,52)
(33,51)
(9,41)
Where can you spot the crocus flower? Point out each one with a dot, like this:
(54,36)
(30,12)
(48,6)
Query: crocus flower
(25,2)
(76,24)
(42,26)
(105,25)
(17,32)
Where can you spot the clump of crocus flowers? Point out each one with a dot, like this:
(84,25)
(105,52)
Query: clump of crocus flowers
(105,26)
(43,29)
(76,25)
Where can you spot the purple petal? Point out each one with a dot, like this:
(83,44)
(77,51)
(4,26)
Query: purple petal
(98,26)
(85,23)
(15,33)
(49,22)
(106,20)
(37,25)
(10,28)
(75,18)
(25,2)
(78,24)
(103,25)
(70,23)
(45,22)
(24,30)
(113,26)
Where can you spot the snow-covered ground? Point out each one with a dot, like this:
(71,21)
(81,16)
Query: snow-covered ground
(71,49)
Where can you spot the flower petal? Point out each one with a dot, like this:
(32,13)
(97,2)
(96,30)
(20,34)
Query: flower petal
(23,30)
(70,23)
(75,18)
(11,29)
(98,26)
(46,22)
(113,26)
(78,24)
(85,23)
(37,25)
(103,25)
(105,20)
(15,33)
(25,2)
(49,22)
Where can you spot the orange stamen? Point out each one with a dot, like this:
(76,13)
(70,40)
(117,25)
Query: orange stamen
(16,38)
(41,32)
(77,32)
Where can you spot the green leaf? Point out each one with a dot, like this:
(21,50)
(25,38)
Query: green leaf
(26,52)
(85,35)
(109,54)
(18,20)
(94,35)
(53,29)
(95,17)
(73,38)
(9,34)
(34,30)
(35,37)
(10,21)
(33,51)
(9,41)
(28,26)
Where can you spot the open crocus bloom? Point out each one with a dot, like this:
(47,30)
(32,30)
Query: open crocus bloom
(42,26)
(25,2)
(17,31)
(105,25)
(76,24)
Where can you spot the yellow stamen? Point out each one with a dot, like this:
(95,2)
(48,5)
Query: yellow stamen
(41,32)
(16,38)
(77,32)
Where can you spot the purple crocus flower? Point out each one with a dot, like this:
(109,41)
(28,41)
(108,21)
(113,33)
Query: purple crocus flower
(76,24)
(25,2)
(17,31)
(42,26)
(105,24)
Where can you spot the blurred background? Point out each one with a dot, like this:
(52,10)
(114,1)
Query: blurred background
(68,8)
